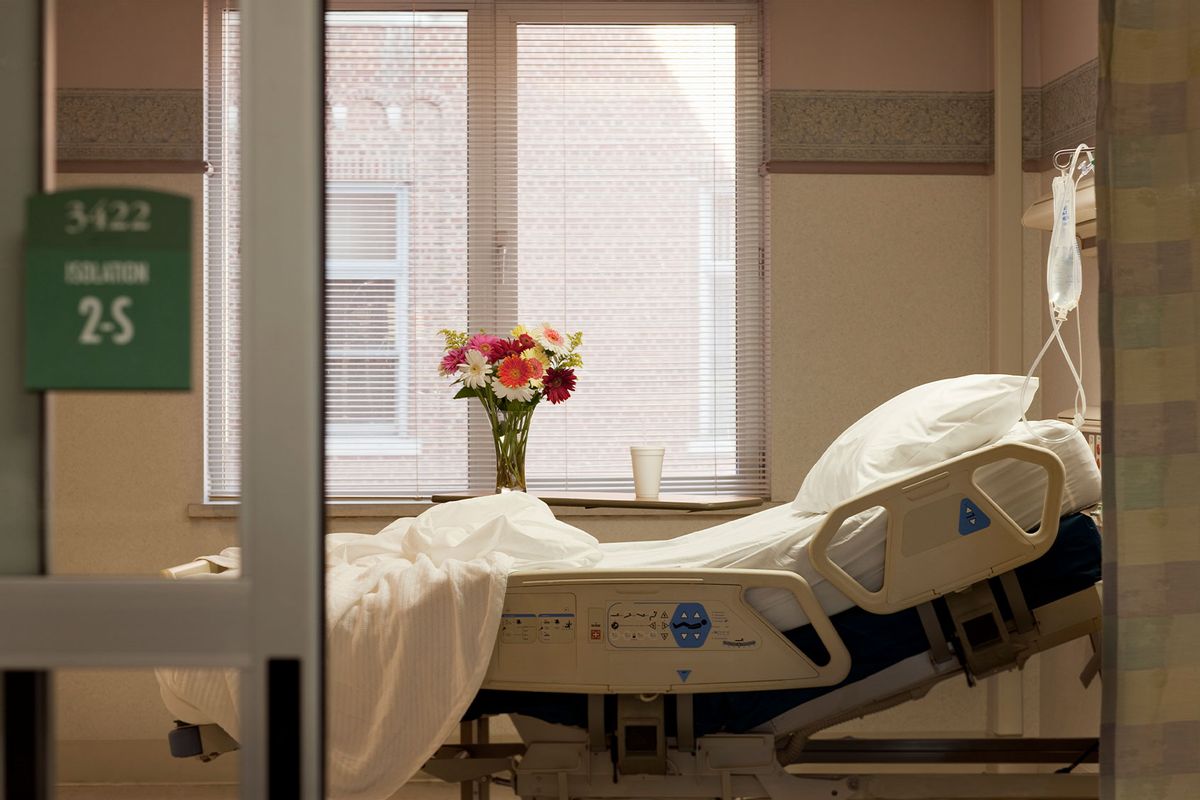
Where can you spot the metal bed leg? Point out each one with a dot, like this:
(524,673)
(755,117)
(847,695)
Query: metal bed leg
(1022,616)
(939,650)
(466,735)
(685,727)
(476,732)
(483,786)
(597,741)
(1092,668)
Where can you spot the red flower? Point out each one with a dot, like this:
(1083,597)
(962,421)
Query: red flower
(558,384)
(514,347)
(513,372)
(502,349)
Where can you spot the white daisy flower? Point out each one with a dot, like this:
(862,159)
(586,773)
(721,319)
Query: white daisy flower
(476,370)
(551,340)
(522,393)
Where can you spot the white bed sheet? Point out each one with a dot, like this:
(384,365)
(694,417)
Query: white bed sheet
(778,537)
(412,615)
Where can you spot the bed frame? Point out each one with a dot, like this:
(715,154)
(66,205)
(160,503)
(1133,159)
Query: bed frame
(641,635)
(639,760)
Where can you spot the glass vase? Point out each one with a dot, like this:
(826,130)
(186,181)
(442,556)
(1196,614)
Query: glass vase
(510,432)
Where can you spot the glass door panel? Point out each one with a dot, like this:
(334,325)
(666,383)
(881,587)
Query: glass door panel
(109,619)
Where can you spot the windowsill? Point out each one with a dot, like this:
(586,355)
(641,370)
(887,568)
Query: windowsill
(411,508)
(627,500)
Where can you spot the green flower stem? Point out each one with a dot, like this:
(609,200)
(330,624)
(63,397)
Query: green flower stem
(510,435)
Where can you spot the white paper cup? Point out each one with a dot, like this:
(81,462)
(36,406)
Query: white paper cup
(647,470)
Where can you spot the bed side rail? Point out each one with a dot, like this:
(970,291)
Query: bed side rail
(654,631)
(944,533)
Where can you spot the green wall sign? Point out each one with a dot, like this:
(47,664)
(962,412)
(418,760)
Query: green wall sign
(108,290)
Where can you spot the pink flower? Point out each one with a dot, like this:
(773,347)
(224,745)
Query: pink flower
(513,372)
(558,384)
(491,346)
(451,360)
(535,368)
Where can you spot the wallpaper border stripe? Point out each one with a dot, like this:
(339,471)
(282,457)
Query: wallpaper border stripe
(915,128)
(822,131)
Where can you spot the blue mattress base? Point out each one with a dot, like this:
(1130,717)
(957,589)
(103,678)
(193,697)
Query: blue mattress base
(875,642)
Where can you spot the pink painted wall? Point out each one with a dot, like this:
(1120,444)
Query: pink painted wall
(931,45)
(130,44)
(1070,35)
(1031,43)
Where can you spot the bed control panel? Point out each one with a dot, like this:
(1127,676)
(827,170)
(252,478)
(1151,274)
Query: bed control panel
(647,632)
(672,625)
(548,619)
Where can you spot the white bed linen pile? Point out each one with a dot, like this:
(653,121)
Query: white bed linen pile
(412,617)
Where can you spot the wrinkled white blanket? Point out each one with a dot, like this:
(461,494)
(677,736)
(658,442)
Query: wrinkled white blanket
(412,617)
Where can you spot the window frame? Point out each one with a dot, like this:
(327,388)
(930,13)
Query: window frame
(492,251)
(509,16)
(714,417)
(350,439)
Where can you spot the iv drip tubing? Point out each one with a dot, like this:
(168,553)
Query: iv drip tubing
(1080,394)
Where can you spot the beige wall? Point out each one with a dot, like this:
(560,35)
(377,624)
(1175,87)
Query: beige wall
(932,45)
(1069,35)
(130,44)
(874,292)
(1057,36)
(857,261)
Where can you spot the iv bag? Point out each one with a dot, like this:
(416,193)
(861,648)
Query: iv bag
(1064,285)
(1064,268)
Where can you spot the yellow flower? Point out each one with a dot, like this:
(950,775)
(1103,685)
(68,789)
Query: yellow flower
(517,331)
(539,354)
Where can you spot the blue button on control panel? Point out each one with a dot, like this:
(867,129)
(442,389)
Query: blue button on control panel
(971,518)
(690,625)
(672,625)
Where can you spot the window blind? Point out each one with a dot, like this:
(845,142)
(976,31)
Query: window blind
(592,165)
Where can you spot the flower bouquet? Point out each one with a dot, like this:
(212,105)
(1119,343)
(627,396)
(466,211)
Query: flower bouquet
(510,377)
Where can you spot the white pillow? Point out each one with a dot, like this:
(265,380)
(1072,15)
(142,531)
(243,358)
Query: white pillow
(919,428)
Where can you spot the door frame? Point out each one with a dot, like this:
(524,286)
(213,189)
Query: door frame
(269,622)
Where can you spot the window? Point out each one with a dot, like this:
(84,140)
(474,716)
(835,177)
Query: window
(590,164)
(366,311)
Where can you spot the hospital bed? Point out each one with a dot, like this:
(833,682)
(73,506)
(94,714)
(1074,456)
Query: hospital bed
(676,683)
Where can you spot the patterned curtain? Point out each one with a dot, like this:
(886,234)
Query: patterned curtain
(1148,162)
